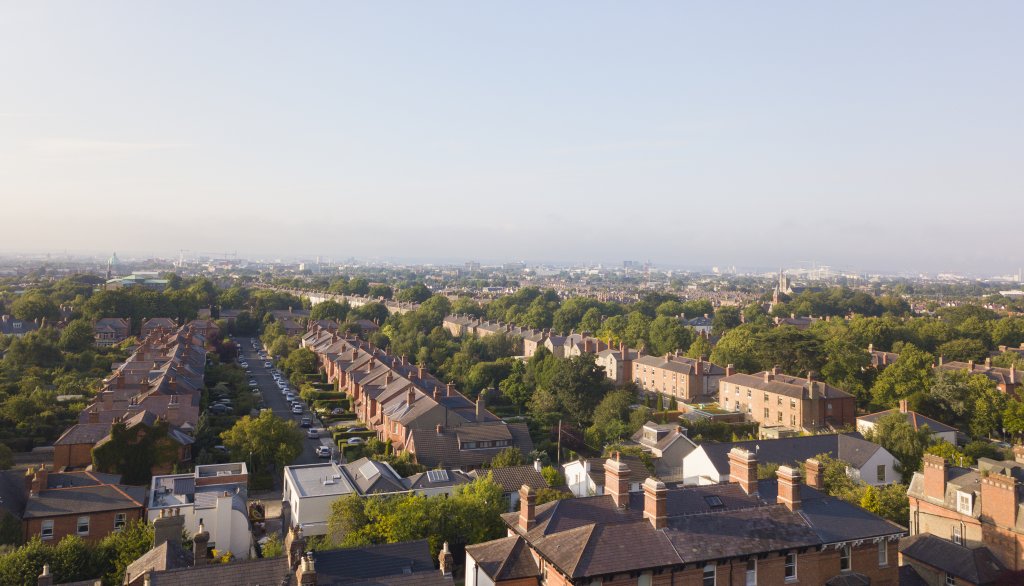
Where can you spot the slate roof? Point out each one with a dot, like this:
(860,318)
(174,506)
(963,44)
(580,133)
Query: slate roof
(783,384)
(13,493)
(504,559)
(83,499)
(590,536)
(433,449)
(166,556)
(422,480)
(83,433)
(361,564)
(849,447)
(977,566)
(512,478)
(916,420)
(256,572)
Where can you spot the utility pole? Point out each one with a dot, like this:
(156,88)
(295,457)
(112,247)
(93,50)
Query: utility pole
(558,457)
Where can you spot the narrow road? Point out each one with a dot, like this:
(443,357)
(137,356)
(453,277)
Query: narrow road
(274,400)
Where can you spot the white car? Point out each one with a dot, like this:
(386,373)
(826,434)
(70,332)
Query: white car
(323,452)
(297,409)
(268,365)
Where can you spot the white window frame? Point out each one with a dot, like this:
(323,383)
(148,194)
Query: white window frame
(846,553)
(950,579)
(880,472)
(787,565)
(958,536)
(120,520)
(751,574)
(83,520)
(47,524)
(883,553)
(713,568)
(964,502)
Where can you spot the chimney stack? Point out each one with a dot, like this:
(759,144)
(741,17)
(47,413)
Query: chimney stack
(446,560)
(934,476)
(903,405)
(39,480)
(46,578)
(527,508)
(306,574)
(743,469)
(815,475)
(199,542)
(481,405)
(411,396)
(450,389)
(656,503)
(168,527)
(295,546)
(730,369)
(616,481)
(999,500)
(789,487)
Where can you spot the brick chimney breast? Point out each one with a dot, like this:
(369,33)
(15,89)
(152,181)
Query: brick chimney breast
(527,508)
(743,469)
(656,503)
(616,481)
(815,475)
(934,477)
(789,487)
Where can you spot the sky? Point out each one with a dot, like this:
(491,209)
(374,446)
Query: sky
(871,135)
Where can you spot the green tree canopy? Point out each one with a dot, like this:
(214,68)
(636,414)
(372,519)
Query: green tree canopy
(265,441)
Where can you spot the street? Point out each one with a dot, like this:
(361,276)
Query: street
(274,400)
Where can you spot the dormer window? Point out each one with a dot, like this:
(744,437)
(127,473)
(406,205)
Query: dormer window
(964,502)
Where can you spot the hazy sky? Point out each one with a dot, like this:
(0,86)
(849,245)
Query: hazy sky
(876,135)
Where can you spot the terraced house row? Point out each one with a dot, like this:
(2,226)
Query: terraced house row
(416,412)
(161,381)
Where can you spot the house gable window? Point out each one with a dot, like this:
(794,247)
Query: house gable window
(46,530)
(964,502)
(845,558)
(82,527)
(790,566)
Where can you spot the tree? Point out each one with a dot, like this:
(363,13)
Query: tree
(894,433)
(300,363)
(963,350)
(1013,417)
(668,334)
(578,384)
(610,416)
(739,347)
(700,348)
(380,291)
(76,337)
(330,309)
(417,293)
(35,305)
(265,441)
(909,374)
(547,495)
(511,456)
(726,318)
(122,548)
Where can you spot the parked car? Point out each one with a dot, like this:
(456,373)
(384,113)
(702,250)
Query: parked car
(253,383)
(268,364)
(297,409)
(355,429)
(219,409)
(220,449)
(337,411)
(306,422)
(313,433)
(355,441)
(244,364)
(323,452)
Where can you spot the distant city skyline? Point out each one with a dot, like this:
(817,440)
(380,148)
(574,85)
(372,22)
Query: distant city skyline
(876,136)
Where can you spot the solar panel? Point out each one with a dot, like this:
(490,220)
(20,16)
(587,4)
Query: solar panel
(368,470)
(437,475)
(184,485)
